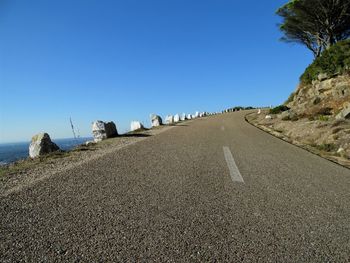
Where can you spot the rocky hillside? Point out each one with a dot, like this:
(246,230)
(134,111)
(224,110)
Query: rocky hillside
(323,97)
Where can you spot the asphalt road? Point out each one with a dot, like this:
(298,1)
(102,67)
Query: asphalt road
(213,190)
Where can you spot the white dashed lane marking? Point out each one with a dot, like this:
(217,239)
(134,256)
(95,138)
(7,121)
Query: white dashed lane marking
(234,172)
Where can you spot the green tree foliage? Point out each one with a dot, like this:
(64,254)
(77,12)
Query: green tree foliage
(333,61)
(317,24)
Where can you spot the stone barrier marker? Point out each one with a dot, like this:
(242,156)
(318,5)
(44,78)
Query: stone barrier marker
(177,118)
(169,119)
(102,130)
(136,125)
(41,144)
(156,120)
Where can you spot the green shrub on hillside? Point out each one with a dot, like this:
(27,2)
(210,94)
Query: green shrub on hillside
(335,60)
(279,109)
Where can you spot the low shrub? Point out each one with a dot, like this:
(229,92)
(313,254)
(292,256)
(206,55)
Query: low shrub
(323,118)
(279,109)
(335,60)
(327,147)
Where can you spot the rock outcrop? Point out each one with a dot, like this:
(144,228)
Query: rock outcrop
(156,120)
(324,94)
(41,144)
(136,125)
(183,117)
(344,112)
(103,130)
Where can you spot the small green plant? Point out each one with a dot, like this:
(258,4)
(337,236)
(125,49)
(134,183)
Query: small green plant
(279,109)
(323,118)
(327,147)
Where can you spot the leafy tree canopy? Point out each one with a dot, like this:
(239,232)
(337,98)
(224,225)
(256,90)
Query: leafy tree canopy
(317,24)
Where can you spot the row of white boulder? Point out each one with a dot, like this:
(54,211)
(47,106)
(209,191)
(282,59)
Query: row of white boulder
(102,130)
(42,144)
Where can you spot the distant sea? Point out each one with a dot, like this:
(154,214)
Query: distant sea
(11,152)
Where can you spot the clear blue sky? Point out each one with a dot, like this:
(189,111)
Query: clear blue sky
(122,60)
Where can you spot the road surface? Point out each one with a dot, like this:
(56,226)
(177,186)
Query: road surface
(212,190)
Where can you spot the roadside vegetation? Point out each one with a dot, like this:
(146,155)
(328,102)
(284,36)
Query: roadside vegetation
(334,61)
(279,109)
(316,24)
(322,26)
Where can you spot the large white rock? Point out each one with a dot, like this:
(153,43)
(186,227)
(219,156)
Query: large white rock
(41,144)
(197,114)
(156,120)
(136,125)
(183,117)
(102,130)
(176,118)
(189,116)
(169,119)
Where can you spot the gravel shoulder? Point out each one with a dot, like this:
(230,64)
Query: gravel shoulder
(324,138)
(28,172)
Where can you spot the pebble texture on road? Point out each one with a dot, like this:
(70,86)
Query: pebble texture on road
(170,198)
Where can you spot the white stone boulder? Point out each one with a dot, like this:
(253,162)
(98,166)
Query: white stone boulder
(197,114)
(156,120)
(103,130)
(169,119)
(183,117)
(136,125)
(268,117)
(189,116)
(177,118)
(41,144)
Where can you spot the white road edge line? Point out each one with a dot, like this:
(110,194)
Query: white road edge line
(234,172)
